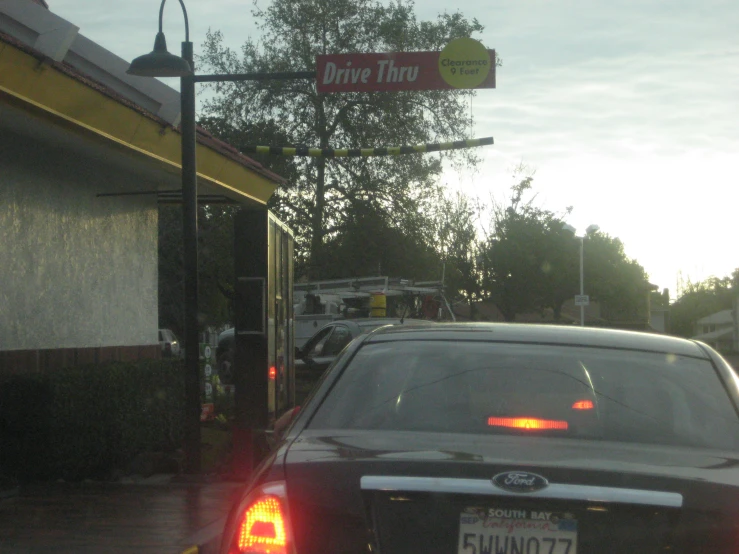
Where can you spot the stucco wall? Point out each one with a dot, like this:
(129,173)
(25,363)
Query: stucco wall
(75,270)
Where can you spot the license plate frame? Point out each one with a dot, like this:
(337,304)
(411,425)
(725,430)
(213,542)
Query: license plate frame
(498,530)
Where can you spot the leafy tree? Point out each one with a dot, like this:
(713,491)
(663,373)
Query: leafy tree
(619,283)
(516,258)
(216,263)
(530,263)
(215,266)
(324,194)
(560,266)
(457,245)
(370,244)
(701,299)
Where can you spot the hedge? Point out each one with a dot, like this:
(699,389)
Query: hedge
(88,421)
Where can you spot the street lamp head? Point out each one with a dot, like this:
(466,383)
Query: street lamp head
(570,228)
(592,229)
(159,62)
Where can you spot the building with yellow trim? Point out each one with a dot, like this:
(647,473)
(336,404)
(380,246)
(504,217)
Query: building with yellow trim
(86,154)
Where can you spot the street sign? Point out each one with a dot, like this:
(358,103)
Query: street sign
(463,64)
(582,300)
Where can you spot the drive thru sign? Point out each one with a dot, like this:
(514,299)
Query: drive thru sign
(464,63)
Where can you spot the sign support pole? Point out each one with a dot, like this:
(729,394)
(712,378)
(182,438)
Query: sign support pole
(582,281)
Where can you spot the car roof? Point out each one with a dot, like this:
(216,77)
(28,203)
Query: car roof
(542,334)
(389,321)
(361,322)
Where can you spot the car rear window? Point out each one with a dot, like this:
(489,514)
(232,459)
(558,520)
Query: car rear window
(540,390)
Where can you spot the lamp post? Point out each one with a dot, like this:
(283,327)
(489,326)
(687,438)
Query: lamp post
(160,63)
(590,229)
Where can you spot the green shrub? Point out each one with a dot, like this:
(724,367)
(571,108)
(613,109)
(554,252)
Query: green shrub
(101,417)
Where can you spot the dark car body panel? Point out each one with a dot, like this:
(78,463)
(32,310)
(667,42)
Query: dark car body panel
(324,474)
(688,463)
(330,512)
(548,334)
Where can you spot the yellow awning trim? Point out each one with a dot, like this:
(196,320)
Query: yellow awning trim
(41,86)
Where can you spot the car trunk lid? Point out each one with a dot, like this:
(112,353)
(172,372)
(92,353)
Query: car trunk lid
(421,492)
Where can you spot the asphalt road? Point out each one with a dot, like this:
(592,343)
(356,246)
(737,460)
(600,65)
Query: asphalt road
(159,516)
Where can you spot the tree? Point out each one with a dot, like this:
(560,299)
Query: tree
(457,245)
(619,283)
(701,299)
(316,203)
(369,244)
(529,263)
(560,266)
(520,258)
(215,266)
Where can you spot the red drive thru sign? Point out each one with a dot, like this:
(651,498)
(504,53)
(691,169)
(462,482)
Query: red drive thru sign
(464,63)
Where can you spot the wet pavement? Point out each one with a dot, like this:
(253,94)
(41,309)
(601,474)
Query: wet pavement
(158,516)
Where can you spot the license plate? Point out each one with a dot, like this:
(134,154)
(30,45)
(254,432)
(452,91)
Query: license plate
(516,531)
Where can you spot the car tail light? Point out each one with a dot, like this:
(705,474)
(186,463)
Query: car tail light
(583,405)
(273,373)
(262,526)
(527,423)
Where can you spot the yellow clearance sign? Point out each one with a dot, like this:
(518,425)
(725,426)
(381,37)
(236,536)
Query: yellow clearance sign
(465,63)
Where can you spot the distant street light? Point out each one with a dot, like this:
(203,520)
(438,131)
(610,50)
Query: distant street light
(590,229)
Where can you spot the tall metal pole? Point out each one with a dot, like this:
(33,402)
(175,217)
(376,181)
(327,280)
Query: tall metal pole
(161,64)
(190,249)
(582,282)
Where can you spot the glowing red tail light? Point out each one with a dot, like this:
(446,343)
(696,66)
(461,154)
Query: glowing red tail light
(263,526)
(272,373)
(583,405)
(527,423)
(263,529)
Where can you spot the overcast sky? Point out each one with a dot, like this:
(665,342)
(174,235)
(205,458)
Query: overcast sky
(627,110)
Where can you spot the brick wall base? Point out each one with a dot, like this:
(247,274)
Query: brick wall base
(24,362)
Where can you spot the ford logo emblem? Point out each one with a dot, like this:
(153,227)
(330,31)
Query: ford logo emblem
(520,481)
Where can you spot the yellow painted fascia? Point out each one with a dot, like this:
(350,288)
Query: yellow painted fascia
(40,85)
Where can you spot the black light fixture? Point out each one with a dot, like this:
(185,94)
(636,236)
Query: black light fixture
(159,62)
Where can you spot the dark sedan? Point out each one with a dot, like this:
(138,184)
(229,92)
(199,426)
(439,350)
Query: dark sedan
(505,439)
(323,347)
(320,350)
